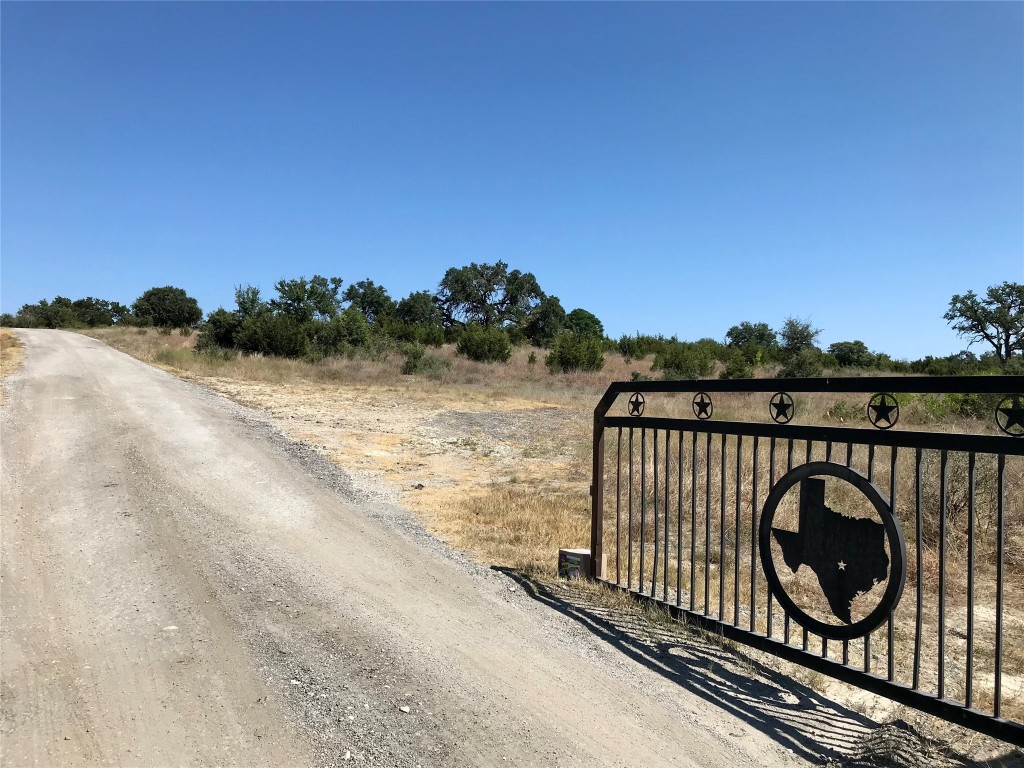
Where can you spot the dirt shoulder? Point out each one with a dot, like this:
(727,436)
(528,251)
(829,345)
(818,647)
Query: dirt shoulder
(12,353)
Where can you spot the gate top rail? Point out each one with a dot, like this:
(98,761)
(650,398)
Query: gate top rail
(923,385)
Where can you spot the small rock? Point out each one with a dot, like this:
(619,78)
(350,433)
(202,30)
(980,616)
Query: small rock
(404,709)
(418,486)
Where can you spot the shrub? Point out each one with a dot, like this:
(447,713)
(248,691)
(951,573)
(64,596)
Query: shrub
(417,333)
(844,411)
(680,360)
(640,346)
(273,334)
(185,332)
(164,330)
(737,367)
(418,361)
(575,352)
(805,363)
(339,335)
(220,329)
(485,345)
(532,359)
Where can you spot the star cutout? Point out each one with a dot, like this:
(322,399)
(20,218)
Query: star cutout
(1013,416)
(782,404)
(702,406)
(842,566)
(881,408)
(636,405)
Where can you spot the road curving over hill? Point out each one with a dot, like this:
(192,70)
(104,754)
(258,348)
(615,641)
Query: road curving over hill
(183,586)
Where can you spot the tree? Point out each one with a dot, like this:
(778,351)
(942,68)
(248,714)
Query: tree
(304,300)
(249,301)
(997,319)
(546,322)
(758,334)
(370,299)
(419,308)
(852,354)
(796,336)
(58,314)
(756,342)
(487,294)
(93,312)
(584,323)
(168,307)
(800,356)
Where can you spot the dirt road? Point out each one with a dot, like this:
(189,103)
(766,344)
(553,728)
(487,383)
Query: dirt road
(183,586)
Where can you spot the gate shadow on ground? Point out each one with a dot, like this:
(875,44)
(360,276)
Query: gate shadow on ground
(794,715)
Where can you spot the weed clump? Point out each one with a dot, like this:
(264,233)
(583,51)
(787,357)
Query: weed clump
(418,361)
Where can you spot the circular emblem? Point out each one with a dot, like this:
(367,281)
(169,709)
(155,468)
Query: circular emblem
(636,405)
(883,407)
(1010,415)
(851,556)
(702,406)
(782,408)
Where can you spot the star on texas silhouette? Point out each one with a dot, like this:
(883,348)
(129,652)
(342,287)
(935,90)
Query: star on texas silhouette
(846,554)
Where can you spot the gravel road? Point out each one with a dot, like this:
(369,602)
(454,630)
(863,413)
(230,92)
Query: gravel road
(183,586)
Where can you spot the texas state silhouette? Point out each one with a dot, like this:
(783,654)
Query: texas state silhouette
(846,554)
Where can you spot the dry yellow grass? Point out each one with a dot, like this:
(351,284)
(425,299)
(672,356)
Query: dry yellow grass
(11,354)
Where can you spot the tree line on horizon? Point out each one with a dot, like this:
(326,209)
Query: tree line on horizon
(486,310)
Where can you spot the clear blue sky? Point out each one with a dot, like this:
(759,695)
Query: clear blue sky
(674,168)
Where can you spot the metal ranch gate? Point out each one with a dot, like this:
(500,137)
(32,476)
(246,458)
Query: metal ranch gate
(804,518)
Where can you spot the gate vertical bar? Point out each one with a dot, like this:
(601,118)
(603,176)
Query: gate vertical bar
(771,484)
(654,565)
(943,500)
(679,525)
(736,530)
(890,631)
(668,496)
(693,526)
(753,542)
(618,508)
(707,528)
(920,578)
(597,498)
(785,617)
(1000,543)
(969,682)
(721,537)
(643,506)
(629,514)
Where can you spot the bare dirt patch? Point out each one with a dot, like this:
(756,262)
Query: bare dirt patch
(429,450)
